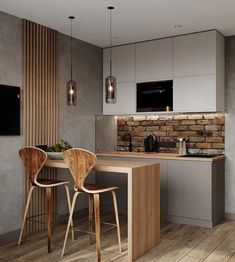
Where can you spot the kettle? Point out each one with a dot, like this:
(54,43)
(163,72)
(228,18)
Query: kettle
(150,144)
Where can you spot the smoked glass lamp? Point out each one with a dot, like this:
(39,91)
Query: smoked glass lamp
(71,85)
(110,81)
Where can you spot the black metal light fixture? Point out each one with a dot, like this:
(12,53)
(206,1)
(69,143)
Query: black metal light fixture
(110,81)
(71,84)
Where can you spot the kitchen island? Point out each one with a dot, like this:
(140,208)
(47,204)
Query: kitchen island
(192,189)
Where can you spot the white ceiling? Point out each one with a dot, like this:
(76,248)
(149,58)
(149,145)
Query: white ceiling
(133,20)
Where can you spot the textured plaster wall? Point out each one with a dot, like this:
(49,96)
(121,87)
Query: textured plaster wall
(11,178)
(77,123)
(230,126)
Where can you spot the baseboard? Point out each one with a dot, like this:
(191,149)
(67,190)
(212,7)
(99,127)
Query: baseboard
(229,216)
(14,235)
(190,221)
(76,215)
(9,237)
(109,209)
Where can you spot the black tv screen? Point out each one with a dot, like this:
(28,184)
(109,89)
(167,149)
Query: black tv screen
(9,110)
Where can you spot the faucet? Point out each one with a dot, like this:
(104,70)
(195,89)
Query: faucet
(127,137)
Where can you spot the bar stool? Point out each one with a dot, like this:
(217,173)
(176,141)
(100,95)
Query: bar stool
(33,160)
(80,162)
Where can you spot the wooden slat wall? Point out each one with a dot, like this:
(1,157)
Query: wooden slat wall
(40,99)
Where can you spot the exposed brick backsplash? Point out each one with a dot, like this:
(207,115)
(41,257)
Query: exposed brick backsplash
(205,132)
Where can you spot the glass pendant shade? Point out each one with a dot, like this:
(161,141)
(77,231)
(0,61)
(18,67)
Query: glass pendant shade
(71,93)
(71,88)
(110,81)
(110,90)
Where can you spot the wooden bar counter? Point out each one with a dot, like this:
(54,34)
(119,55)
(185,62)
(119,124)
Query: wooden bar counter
(143,201)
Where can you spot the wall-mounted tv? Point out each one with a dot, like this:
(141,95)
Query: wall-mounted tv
(9,110)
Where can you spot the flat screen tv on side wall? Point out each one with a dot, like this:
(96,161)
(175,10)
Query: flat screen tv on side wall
(9,110)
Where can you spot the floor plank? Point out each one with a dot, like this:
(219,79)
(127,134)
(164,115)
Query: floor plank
(191,259)
(185,245)
(182,243)
(232,258)
(206,247)
(224,251)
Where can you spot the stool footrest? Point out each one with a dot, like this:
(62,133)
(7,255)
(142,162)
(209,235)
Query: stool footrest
(93,233)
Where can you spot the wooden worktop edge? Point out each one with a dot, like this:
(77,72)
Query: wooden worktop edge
(157,156)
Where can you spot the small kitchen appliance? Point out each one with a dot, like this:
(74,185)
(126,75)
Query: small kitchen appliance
(150,144)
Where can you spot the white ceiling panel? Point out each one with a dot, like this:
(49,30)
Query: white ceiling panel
(133,20)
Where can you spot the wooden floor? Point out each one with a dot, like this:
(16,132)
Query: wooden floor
(178,243)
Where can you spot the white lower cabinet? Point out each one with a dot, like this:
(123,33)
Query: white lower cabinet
(196,192)
(191,191)
(126,100)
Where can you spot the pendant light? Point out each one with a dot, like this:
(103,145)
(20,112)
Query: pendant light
(110,81)
(71,84)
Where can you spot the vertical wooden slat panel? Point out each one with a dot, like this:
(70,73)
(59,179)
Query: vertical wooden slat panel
(40,117)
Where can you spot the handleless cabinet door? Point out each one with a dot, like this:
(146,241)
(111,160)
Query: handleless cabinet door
(195,54)
(194,94)
(154,60)
(189,189)
(123,63)
(126,100)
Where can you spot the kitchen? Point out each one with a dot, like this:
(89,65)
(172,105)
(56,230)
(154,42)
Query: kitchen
(202,114)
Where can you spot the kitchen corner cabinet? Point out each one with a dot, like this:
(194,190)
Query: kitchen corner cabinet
(154,60)
(198,71)
(196,192)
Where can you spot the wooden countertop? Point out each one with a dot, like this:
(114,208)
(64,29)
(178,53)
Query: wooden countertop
(104,165)
(157,156)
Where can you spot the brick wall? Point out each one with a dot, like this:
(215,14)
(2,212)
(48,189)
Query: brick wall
(205,132)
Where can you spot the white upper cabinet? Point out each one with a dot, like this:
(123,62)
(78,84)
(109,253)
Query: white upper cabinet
(195,62)
(195,54)
(154,60)
(198,67)
(123,63)
(194,94)
(126,100)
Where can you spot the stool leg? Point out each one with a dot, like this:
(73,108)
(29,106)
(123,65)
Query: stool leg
(117,220)
(69,221)
(48,201)
(97,225)
(25,213)
(69,205)
(91,208)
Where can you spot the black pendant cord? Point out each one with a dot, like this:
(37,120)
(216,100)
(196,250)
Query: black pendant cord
(110,41)
(71,51)
(71,46)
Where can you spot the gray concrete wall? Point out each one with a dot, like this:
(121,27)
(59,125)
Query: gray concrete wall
(230,127)
(77,123)
(11,177)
